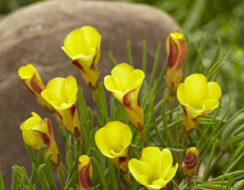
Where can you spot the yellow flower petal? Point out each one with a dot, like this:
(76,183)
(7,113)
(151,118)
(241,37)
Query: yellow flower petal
(26,72)
(166,160)
(30,137)
(124,78)
(124,83)
(151,155)
(61,93)
(172,172)
(194,88)
(141,171)
(182,98)
(82,42)
(174,36)
(154,169)
(114,139)
(214,90)
(198,98)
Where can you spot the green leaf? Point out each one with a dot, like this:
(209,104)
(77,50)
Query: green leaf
(217,53)
(112,177)
(210,159)
(32,155)
(144,56)
(42,177)
(224,176)
(129,54)
(41,154)
(15,180)
(82,106)
(112,108)
(239,185)
(100,173)
(237,152)
(112,59)
(69,159)
(1,182)
(165,122)
(200,52)
(102,105)
(48,171)
(235,163)
(24,180)
(71,174)
(155,64)
(194,15)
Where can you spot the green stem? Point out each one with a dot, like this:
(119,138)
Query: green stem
(126,177)
(61,175)
(185,135)
(82,146)
(171,106)
(221,154)
(143,138)
(189,182)
(95,95)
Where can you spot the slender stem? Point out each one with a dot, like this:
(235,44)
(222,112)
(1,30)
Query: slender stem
(185,135)
(126,176)
(143,138)
(171,106)
(82,146)
(61,175)
(189,178)
(95,95)
(221,154)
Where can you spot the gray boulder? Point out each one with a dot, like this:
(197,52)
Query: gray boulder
(35,34)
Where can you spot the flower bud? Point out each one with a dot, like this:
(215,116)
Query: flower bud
(176,50)
(33,82)
(84,173)
(198,98)
(190,163)
(124,84)
(113,140)
(83,47)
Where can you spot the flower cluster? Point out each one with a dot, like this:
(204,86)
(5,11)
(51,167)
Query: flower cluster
(155,168)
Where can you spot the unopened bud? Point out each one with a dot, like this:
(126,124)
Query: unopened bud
(190,163)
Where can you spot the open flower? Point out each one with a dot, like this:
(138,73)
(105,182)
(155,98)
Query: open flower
(154,169)
(124,84)
(198,98)
(113,140)
(37,132)
(33,82)
(83,47)
(190,163)
(176,50)
(61,93)
(84,173)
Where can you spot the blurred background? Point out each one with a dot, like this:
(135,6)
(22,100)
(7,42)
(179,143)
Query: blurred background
(210,24)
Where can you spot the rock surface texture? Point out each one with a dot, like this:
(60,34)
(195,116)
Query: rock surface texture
(35,35)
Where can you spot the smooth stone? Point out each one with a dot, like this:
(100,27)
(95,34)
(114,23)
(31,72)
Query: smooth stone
(34,34)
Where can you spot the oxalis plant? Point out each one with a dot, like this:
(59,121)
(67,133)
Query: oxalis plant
(168,131)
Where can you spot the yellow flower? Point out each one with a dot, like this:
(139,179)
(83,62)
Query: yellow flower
(124,84)
(176,50)
(37,132)
(154,169)
(113,140)
(83,47)
(33,82)
(84,173)
(198,98)
(61,93)
(190,163)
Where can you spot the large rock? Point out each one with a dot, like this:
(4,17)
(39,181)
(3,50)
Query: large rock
(35,34)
